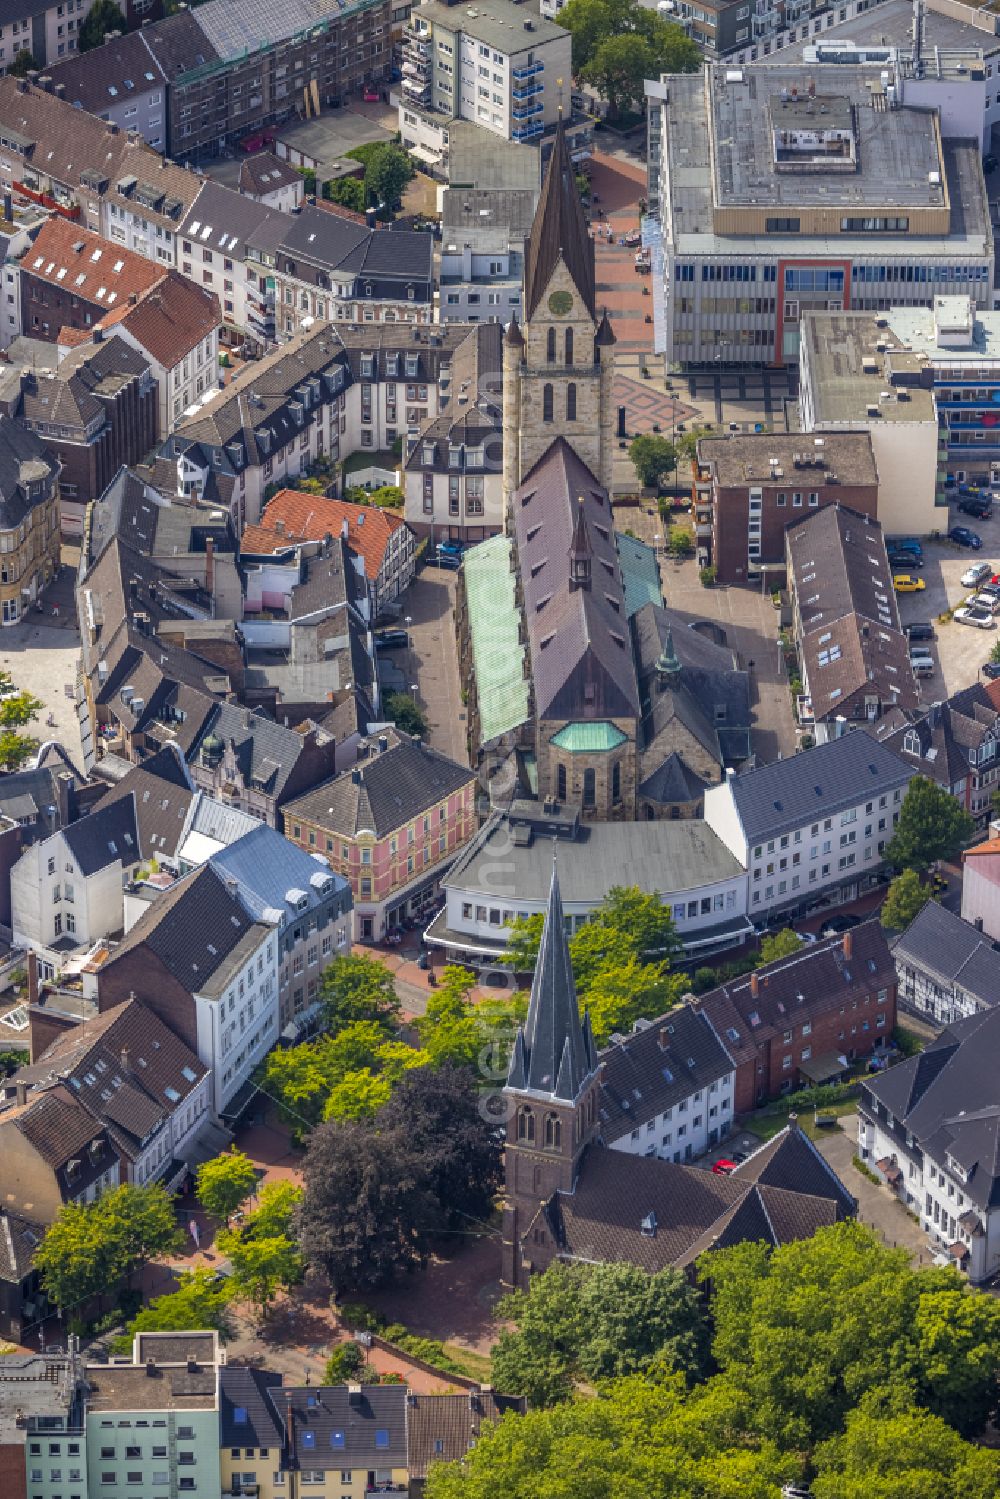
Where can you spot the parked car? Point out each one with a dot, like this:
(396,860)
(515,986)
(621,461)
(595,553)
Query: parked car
(904,560)
(905,544)
(963,537)
(981,618)
(837,925)
(370,96)
(448,560)
(921,629)
(991,669)
(450,548)
(907,583)
(723,1167)
(922,666)
(981,506)
(391,640)
(984,600)
(976,574)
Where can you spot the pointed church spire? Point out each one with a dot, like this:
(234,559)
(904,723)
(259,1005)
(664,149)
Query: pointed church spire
(668,667)
(554,1053)
(581,553)
(559,231)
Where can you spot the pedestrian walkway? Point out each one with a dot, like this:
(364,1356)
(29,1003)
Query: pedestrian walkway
(617,187)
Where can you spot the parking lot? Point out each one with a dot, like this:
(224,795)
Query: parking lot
(959,650)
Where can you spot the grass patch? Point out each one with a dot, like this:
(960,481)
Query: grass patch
(909,1043)
(770,1123)
(473,1365)
(866,1171)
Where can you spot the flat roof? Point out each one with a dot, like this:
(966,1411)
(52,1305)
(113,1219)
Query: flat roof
(890,24)
(504,25)
(125,1387)
(689,212)
(745,457)
(480,158)
(914,328)
(849,373)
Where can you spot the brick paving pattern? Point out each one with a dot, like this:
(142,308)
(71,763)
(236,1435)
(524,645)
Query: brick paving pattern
(618,185)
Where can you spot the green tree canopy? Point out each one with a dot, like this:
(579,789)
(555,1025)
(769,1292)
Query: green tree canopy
(103,16)
(903,1454)
(402,710)
(906,898)
(652,457)
(278,1203)
(261,1267)
(224,1183)
(345,1364)
(358,988)
(24,62)
(778,945)
(931,826)
(592,22)
(387,171)
(201,1300)
(597,1322)
(95,1246)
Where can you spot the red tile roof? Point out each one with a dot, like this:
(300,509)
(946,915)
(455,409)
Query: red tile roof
(292,516)
(87,265)
(171,320)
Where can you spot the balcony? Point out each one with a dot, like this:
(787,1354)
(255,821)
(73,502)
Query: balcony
(528,112)
(528,132)
(414,69)
(528,92)
(417,88)
(528,71)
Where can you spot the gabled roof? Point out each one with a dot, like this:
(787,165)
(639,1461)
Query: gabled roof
(553,1054)
(88,266)
(108,835)
(265,173)
(559,232)
(444,1428)
(655,1067)
(247,1417)
(25,464)
(270,870)
(171,320)
(772,799)
(293,516)
(382,792)
(333,1428)
(161,790)
(581,656)
(953,951)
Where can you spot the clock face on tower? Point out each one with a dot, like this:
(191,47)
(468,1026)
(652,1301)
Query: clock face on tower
(560,303)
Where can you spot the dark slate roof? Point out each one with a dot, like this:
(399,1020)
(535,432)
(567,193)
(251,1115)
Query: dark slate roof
(655,1213)
(24,459)
(107,835)
(818,783)
(654,1068)
(384,791)
(178,44)
(444,1428)
(96,80)
(192,928)
(708,674)
(19,1238)
(559,232)
(266,752)
(818,978)
(246,1416)
(937,741)
(672,781)
(553,1053)
(56,1125)
(952,951)
(791,1161)
(161,791)
(264,173)
(581,655)
(331,1428)
(946,1098)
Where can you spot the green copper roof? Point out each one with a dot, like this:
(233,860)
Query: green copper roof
(640,573)
(497,652)
(582,738)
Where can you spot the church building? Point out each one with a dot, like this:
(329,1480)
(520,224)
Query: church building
(558,690)
(577,1187)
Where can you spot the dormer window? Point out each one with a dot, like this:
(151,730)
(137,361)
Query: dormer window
(911,742)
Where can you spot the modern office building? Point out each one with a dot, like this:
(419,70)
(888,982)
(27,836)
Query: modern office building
(783,189)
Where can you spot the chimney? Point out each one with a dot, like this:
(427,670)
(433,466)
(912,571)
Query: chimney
(32,977)
(793,1123)
(754,985)
(45,82)
(151,1368)
(662,1038)
(354,1394)
(98,335)
(133,298)
(848,945)
(290,1429)
(123,1057)
(21,1092)
(8,207)
(356,777)
(209,564)
(383,742)
(192,1365)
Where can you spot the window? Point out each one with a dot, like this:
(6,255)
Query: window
(571,402)
(569,345)
(550,346)
(546,412)
(589,788)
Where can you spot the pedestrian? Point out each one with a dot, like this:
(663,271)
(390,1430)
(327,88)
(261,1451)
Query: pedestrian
(55,611)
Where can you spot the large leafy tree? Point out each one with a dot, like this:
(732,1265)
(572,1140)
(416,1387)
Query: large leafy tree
(653,457)
(224,1183)
(906,898)
(387,172)
(931,826)
(903,1454)
(368,1210)
(94,1247)
(778,945)
(16,711)
(103,16)
(592,23)
(261,1267)
(452,1138)
(808,1330)
(201,1300)
(358,988)
(595,1322)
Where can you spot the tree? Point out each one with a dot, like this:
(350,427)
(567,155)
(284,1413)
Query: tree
(590,22)
(456,1144)
(931,826)
(652,457)
(345,1364)
(778,945)
(523,942)
(680,542)
(618,69)
(24,62)
(140,1225)
(388,497)
(995,653)
(902,1454)
(906,898)
(201,1300)
(811,1328)
(358,1095)
(278,1204)
(71,1258)
(103,16)
(387,172)
(638,1437)
(368,1211)
(93,1247)
(261,1267)
(402,710)
(597,1322)
(349,192)
(226,1182)
(358,988)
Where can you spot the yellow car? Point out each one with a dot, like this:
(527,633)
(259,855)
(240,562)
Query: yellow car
(904,583)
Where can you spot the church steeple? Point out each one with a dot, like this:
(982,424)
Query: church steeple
(559,232)
(554,1054)
(668,667)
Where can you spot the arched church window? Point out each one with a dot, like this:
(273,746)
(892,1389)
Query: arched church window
(553,1132)
(561,783)
(569,346)
(571,402)
(589,788)
(526,1125)
(550,350)
(546,403)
